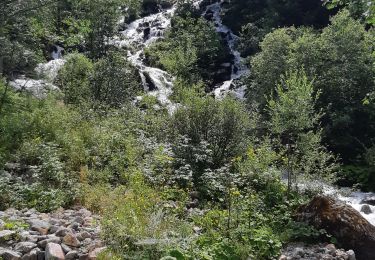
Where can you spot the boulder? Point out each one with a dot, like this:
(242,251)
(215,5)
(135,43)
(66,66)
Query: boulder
(71,255)
(343,222)
(25,247)
(54,252)
(62,231)
(32,255)
(370,200)
(366,209)
(71,240)
(39,225)
(7,254)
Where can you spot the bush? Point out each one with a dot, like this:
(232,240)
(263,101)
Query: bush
(114,81)
(209,133)
(74,79)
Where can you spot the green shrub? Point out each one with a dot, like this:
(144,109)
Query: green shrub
(74,79)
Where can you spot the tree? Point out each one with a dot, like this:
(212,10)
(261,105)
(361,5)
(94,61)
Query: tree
(295,125)
(114,80)
(360,9)
(341,61)
(74,79)
(209,133)
(191,50)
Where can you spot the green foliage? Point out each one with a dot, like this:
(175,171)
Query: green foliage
(114,81)
(360,9)
(136,223)
(295,124)
(340,61)
(209,134)
(74,79)
(190,51)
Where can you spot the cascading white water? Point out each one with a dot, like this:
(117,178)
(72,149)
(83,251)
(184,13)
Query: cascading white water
(356,199)
(47,72)
(238,68)
(140,34)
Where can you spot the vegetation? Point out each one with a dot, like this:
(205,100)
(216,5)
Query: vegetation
(204,180)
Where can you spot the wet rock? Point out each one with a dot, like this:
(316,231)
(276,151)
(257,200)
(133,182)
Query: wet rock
(54,252)
(369,200)
(366,209)
(351,255)
(343,222)
(25,247)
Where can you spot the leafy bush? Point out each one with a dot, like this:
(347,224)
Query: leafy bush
(209,133)
(74,79)
(114,81)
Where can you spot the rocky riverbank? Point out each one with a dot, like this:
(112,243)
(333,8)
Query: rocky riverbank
(316,252)
(64,234)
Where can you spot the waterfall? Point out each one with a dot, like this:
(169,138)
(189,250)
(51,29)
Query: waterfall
(137,36)
(47,72)
(238,67)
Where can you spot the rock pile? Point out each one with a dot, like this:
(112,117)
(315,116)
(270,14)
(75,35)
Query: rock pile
(316,252)
(64,234)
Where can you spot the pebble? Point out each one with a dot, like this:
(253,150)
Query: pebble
(64,234)
(296,251)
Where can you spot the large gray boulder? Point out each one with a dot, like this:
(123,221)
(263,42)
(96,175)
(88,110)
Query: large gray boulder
(54,252)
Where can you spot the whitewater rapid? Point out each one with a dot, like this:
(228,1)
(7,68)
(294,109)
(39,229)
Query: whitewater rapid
(239,68)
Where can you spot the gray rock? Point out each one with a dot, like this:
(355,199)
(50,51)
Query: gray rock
(83,256)
(25,247)
(71,240)
(87,241)
(79,220)
(85,235)
(32,255)
(53,229)
(7,254)
(366,209)
(6,235)
(39,225)
(299,251)
(30,212)
(351,255)
(54,252)
(85,213)
(75,226)
(61,232)
(2,223)
(55,240)
(65,248)
(41,255)
(71,255)
(331,249)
